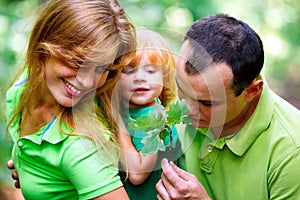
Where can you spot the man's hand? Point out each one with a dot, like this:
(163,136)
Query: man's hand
(176,183)
(14,174)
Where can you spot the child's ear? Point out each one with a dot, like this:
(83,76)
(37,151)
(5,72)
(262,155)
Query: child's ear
(254,89)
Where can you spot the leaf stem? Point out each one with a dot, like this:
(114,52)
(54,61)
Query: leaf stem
(171,142)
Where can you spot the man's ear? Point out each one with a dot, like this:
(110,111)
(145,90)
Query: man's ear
(254,89)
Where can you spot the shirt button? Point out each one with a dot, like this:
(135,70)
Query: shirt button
(210,148)
(20,143)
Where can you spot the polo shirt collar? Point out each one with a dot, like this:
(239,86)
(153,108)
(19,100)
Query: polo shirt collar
(50,133)
(257,123)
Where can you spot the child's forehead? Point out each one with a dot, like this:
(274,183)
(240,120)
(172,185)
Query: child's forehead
(143,66)
(147,58)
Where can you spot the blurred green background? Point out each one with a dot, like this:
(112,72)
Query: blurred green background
(276,21)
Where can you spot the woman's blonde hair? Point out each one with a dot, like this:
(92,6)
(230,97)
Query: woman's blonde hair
(74,32)
(156,48)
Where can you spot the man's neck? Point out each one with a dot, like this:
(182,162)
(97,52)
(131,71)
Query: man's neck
(238,123)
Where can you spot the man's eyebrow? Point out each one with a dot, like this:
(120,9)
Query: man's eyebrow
(199,101)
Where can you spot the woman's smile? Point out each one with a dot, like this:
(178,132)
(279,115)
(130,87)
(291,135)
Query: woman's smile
(71,90)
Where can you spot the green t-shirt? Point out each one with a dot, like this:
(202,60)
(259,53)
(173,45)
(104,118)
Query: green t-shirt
(146,190)
(53,165)
(261,161)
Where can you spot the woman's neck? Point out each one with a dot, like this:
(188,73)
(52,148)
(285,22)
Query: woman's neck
(42,111)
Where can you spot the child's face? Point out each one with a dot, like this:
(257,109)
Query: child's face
(67,85)
(141,84)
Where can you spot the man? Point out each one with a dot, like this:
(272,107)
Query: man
(247,145)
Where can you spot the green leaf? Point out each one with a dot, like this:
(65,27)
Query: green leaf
(157,124)
(186,119)
(155,119)
(176,111)
(153,143)
(164,133)
(139,123)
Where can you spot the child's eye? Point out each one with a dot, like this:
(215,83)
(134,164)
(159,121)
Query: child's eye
(151,69)
(128,70)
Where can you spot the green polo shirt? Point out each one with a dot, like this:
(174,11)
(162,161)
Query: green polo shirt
(53,165)
(262,161)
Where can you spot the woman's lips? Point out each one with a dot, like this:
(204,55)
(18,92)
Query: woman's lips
(71,89)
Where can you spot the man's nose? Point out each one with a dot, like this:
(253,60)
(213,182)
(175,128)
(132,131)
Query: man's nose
(194,108)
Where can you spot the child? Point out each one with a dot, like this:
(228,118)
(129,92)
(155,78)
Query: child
(61,145)
(149,75)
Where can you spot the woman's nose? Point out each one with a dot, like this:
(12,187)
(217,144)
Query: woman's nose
(86,78)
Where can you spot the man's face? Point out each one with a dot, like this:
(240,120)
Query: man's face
(209,94)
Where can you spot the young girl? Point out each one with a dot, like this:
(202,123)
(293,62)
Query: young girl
(149,75)
(59,110)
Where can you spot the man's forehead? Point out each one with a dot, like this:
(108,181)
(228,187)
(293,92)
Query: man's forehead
(187,84)
(185,50)
(180,80)
(213,81)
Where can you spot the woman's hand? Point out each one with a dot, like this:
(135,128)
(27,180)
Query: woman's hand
(14,174)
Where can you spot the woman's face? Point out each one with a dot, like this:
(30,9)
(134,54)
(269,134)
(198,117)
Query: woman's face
(138,86)
(68,85)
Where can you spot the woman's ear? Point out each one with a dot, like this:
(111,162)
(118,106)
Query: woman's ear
(254,89)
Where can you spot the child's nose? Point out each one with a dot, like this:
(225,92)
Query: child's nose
(139,75)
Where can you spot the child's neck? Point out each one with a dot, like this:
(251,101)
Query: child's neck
(137,106)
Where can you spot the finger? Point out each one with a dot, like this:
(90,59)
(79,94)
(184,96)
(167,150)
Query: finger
(171,190)
(175,179)
(164,162)
(14,175)
(10,164)
(169,177)
(17,184)
(169,174)
(181,173)
(159,197)
(161,191)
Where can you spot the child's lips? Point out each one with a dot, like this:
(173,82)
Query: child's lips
(140,90)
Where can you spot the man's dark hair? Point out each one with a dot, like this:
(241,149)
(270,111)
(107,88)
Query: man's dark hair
(223,39)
